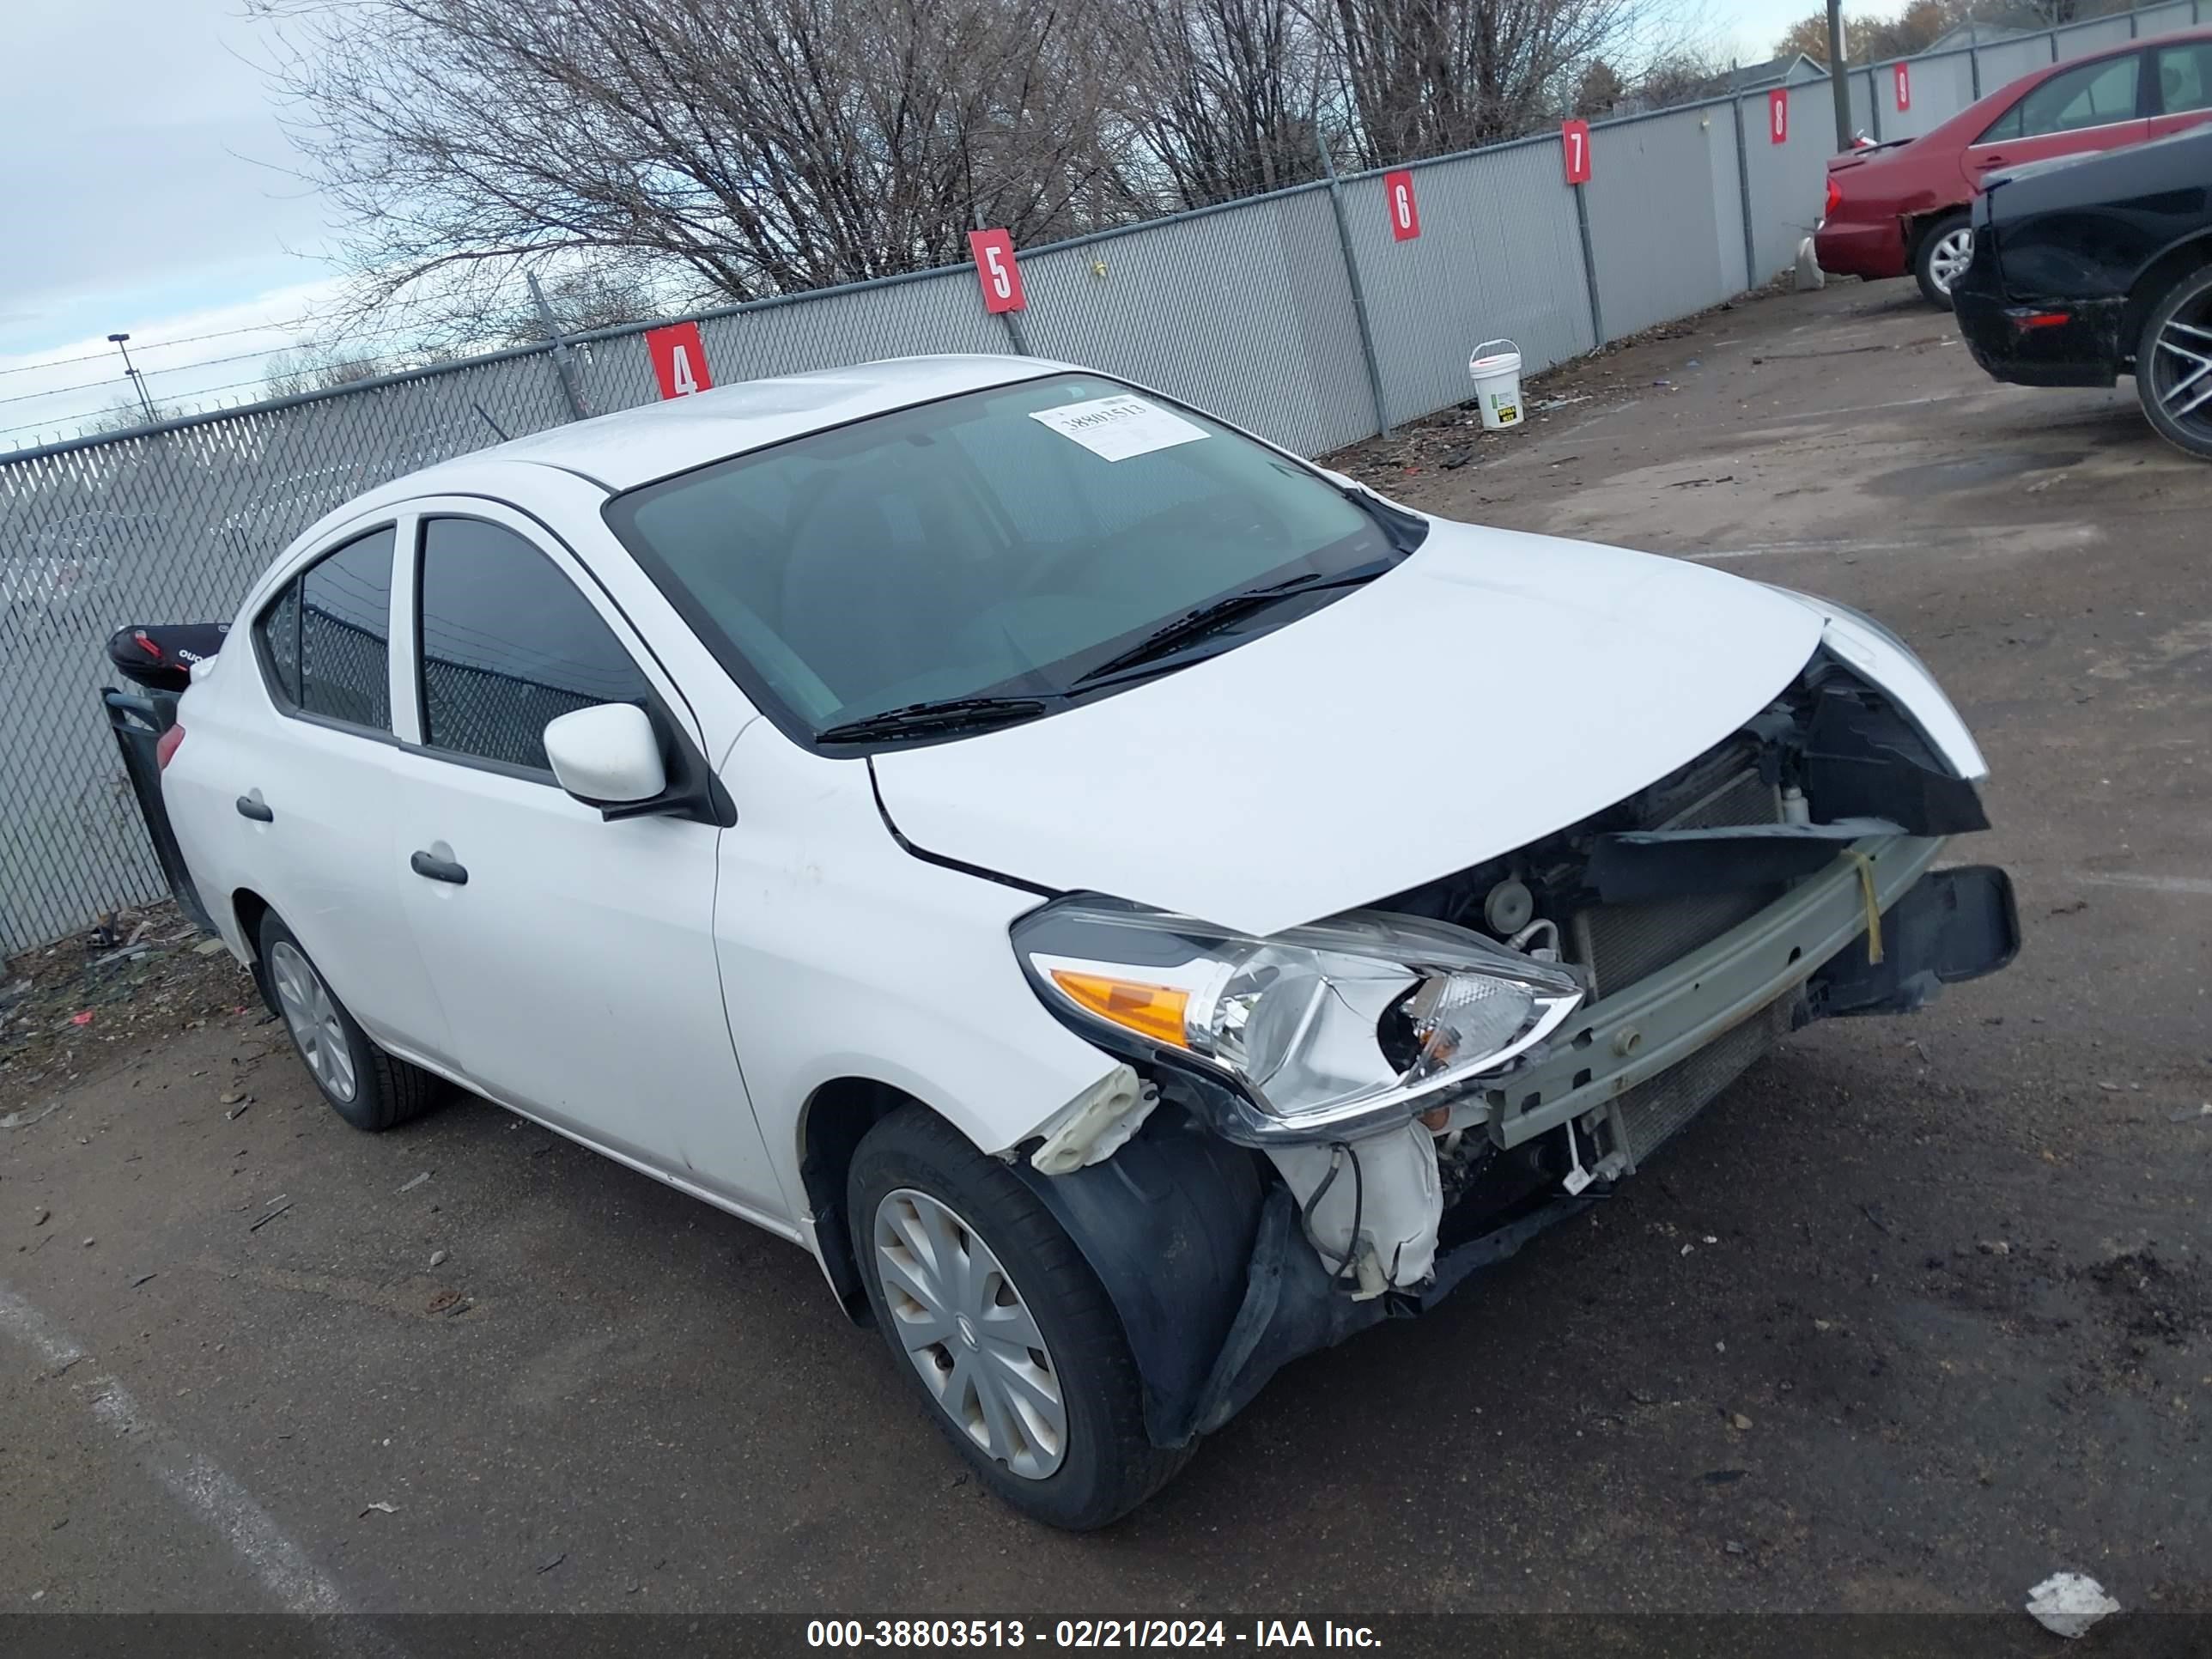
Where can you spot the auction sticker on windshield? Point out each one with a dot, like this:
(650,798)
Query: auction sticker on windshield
(1114,429)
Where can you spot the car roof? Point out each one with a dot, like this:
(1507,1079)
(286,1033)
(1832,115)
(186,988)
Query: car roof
(636,446)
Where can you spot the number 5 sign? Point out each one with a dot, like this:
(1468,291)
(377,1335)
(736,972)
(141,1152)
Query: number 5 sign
(1574,145)
(1778,115)
(679,361)
(996,271)
(1405,213)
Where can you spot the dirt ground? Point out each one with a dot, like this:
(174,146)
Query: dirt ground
(1916,1314)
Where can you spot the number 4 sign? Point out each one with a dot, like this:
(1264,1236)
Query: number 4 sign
(1574,145)
(1778,115)
(679,360)
(996,271)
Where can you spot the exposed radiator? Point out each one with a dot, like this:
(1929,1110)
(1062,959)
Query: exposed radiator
(1653,1111)
(1622,943)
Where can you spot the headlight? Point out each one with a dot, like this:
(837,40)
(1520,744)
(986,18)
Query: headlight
(1335,1029)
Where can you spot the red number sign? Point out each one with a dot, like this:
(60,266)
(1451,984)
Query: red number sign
(1904,86)
(1405,214)
(1574,147)
(1778,115)
(679,361)
(996,271)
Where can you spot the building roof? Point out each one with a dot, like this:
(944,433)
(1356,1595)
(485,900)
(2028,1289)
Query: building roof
(1790,70)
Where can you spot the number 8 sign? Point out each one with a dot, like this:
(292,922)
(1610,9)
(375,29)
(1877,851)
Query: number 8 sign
(1405,212)
(1778,115)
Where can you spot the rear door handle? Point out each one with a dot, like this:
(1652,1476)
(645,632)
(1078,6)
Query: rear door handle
(253,806)
(437,869)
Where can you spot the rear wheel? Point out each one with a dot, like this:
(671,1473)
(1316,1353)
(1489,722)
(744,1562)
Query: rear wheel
(993,1314)
(1945,250)
(364,1085)
(2173,365)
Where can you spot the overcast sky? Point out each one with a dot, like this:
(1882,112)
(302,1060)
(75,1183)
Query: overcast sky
(146,193)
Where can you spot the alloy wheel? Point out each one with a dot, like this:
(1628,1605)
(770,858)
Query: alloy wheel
(973,1340)
(2180,370)
(1950,256)
(312,1015)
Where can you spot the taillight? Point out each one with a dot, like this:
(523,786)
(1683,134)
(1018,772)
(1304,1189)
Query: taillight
(166,746)
(1835,198)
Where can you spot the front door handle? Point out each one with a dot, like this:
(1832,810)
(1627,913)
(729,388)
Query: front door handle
(253,806)
(438,869)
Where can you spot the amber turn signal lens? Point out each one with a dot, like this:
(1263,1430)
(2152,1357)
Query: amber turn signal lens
(1153,1011)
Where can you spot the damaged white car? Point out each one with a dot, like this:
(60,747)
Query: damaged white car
(1136,906)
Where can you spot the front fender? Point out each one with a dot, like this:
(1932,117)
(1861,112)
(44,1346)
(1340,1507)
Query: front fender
(1889,664)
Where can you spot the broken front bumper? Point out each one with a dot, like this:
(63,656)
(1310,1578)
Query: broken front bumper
(1640,1065)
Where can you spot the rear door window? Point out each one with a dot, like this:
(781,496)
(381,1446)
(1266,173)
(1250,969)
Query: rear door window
(327,639)
(2184,77)
(2089,95)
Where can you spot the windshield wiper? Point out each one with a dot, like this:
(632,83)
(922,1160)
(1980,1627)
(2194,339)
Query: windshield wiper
(1211,618)
(919,719)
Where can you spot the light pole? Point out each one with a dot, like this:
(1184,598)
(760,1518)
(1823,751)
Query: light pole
(136,378)
(1839,81)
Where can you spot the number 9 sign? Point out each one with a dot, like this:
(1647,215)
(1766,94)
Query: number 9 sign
(1405,213)
(995,270)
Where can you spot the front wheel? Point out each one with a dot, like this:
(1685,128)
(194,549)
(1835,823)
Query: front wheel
(991,1314)
(1945,252)
(2173,365)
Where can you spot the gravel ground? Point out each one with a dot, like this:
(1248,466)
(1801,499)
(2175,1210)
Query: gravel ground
(1915,1315)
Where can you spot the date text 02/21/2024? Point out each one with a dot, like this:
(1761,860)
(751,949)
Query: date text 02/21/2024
(1084,1633)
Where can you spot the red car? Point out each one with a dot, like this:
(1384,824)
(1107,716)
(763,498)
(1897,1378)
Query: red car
(1901,206)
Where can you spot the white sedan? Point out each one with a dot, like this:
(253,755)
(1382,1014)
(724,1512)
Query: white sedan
(1136,906)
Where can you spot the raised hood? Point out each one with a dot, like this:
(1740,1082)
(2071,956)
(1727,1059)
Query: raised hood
(1494,688)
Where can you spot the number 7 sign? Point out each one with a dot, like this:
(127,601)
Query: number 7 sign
(996,271)
(1574,146)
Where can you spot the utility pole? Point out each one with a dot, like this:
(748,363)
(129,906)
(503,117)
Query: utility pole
(1839,79)
(136,380)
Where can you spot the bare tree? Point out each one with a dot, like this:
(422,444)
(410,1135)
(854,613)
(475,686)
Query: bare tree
(1223,94)
(317,368)
(759,146)
(1423,77)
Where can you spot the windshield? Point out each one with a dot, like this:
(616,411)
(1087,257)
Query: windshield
(1000,543)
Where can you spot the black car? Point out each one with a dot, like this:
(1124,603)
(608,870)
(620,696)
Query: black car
(2096,266)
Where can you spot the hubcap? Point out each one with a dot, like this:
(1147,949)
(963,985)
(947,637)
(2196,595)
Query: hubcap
(1951,256)
(313,1018)
(2180,370)
(962,1322)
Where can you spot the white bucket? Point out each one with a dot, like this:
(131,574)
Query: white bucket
(1497,383)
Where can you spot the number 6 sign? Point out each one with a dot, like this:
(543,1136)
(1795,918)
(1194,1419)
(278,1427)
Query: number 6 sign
(1405,214)
(996,271)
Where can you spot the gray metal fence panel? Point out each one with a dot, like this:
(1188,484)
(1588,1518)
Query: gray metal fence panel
(1246,312)
(1653,232)
(1789,182)
(2164,20)
(1499,257)
(1939,89)
(173,527)
(1860,83)
(2008,60)
(2080,40)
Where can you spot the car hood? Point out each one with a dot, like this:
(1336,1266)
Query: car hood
(1494,688)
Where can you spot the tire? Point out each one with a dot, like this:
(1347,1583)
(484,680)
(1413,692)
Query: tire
(1944,249)
(2173,365)
(1096,1464)
(364,1085)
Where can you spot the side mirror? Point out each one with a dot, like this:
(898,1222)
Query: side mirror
(607,756)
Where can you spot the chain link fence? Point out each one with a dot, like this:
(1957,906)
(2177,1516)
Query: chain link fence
(1248,309)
